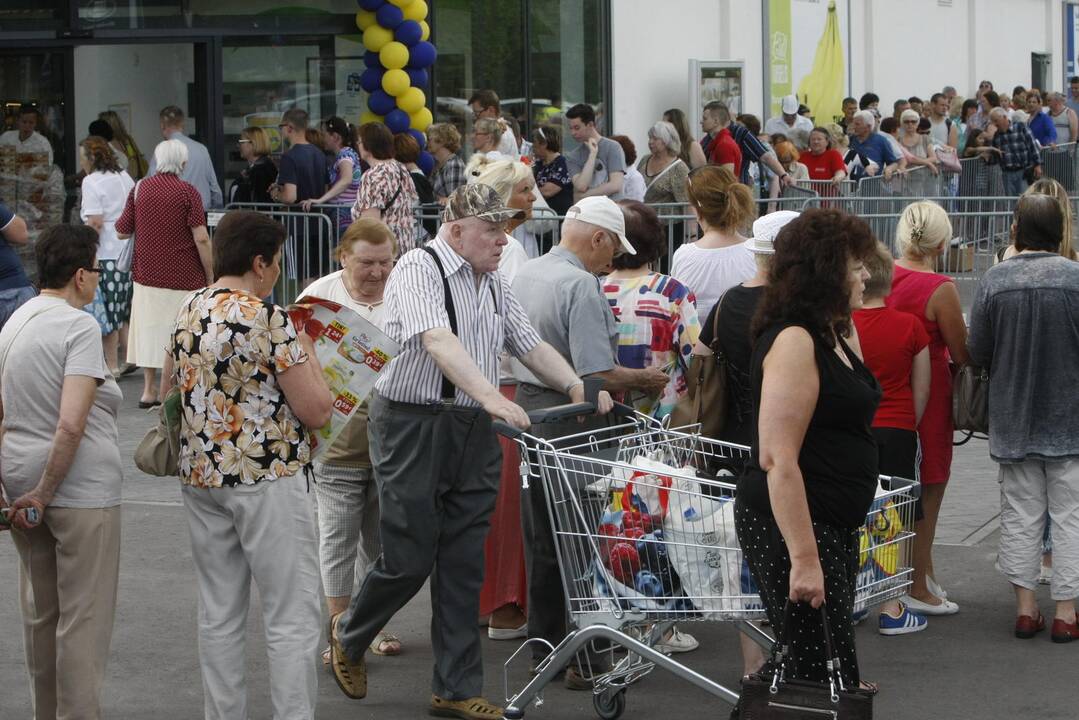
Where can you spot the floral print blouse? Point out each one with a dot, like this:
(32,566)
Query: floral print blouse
(237,428)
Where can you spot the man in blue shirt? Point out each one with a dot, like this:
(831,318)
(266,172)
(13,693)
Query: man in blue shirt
(199,170)
(1019,155)
(15,287)
(1041,125)
(872,149)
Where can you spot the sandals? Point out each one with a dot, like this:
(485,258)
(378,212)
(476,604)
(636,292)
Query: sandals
(386,644)
(869,687)
(351,676)
(476,708)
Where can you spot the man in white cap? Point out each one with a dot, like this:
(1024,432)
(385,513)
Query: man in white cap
(565,304)
(796,127)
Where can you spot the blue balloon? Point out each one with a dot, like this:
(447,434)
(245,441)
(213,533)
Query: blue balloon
(426,161)
(417,78)
(372,60)
(371,5)
(419,137)
(422,55)
(382,103)
(390,16)
(371,79)
(409,32)
(397,121)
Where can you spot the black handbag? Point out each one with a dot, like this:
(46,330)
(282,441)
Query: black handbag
(769,695)
(970,402)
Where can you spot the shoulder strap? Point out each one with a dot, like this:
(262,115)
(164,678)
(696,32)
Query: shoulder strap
(449,390)
(39,311)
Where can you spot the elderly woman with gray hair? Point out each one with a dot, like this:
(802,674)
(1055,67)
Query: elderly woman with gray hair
(664,172)
(172,258)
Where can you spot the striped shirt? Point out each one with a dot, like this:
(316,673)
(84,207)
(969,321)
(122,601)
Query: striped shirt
(415,303)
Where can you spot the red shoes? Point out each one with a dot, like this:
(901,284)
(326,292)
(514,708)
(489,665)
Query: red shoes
(1027,627)
(1063,632)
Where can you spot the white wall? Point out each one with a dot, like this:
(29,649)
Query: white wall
(148,77)
(913,47)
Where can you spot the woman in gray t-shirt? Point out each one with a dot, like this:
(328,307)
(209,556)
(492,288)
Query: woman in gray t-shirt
(59,457)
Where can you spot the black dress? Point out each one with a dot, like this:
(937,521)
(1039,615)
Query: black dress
(838,460)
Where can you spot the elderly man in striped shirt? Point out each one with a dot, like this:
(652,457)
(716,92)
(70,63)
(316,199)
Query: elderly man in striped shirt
(434,452)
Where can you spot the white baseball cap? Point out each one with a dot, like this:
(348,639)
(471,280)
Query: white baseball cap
(790,105)
(602,212)
(765,229)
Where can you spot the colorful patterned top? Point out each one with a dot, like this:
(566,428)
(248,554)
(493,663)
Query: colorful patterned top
(348,195)
(657,327)
(237,429)
(388,188)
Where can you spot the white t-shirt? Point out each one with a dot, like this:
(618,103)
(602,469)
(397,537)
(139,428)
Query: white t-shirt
(798,134)
(710,272)
(633,187)
(513,257)
(59,342)
(36,143)
(332,287)
(105,194)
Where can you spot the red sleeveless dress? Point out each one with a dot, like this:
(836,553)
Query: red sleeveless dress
(911,291)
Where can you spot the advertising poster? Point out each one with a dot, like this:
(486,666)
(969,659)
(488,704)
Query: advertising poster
(711,80)
(807,55)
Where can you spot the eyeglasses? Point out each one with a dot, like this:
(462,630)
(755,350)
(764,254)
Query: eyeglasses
(243,142)
(93,269)
(910,122)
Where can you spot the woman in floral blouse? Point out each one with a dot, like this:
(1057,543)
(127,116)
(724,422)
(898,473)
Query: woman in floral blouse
(387,192)
(249,389)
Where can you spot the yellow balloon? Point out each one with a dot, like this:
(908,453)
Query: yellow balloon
(411,100)
(415,10)
(365,19)
(393,55)
(420,119)
(395,82)
(401,3)
(369,117)
(376,37)
(426,30)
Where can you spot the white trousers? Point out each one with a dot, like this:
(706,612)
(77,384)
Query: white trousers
(263,532)
(1031,492)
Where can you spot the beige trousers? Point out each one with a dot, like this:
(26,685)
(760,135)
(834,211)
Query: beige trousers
(68,571)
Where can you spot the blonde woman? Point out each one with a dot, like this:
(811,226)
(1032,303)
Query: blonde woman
(923,233)
(253,185)
(486,134)
(121,140)
(443,142)
(1052,188)
(664,172)
(515,184)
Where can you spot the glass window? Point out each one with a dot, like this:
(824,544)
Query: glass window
(30,14)
(155,76)
(479,46)
(267,14)
(319,74)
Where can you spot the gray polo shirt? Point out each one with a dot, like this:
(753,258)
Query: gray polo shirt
(566,306)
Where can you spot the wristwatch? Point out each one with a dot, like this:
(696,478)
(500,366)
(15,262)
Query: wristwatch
(572,385)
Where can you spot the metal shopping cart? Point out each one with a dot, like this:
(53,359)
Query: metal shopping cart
(644,533)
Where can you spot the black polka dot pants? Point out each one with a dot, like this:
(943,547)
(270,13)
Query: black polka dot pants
(770,564)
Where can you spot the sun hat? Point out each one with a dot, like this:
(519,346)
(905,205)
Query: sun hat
(790,105)
(765,229)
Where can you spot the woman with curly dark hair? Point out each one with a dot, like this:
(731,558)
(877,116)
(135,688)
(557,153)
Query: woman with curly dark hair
(813,470)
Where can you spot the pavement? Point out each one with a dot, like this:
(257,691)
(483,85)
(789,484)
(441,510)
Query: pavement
(965,666)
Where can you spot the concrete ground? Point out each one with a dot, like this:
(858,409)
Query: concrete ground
(965,666)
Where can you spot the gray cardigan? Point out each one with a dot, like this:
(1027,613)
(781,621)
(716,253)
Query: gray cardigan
(1024,327)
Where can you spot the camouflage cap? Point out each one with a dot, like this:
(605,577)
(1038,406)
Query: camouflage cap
(479,201)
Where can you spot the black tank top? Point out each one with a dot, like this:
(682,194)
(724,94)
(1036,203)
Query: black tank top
(838,459)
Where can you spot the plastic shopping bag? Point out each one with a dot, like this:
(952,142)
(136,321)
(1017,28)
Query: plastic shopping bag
(878,553)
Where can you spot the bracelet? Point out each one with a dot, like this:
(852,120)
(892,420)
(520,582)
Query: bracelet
(572,385)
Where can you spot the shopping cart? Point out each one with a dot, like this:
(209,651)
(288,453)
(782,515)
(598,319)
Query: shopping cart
(644,534)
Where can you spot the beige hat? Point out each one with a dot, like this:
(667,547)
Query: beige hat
(602,212)
(480,201)
(765,229)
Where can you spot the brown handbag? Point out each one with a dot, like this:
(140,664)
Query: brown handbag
(158,453)
(705,401)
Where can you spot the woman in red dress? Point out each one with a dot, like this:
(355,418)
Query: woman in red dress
(922,234)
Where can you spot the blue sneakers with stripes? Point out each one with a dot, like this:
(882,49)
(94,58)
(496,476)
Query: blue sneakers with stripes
(907,622)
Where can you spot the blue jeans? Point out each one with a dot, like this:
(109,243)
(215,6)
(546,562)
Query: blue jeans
(11,299)
(1014,183)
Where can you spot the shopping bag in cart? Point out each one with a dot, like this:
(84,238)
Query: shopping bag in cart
(878,553)
(638,572)
(703,548)
(647,492)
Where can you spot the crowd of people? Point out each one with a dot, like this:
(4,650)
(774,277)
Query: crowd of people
(827,340)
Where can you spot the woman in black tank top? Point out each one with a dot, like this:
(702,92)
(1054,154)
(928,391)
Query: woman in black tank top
(813,469)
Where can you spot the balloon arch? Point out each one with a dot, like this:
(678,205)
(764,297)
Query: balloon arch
(398,57)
